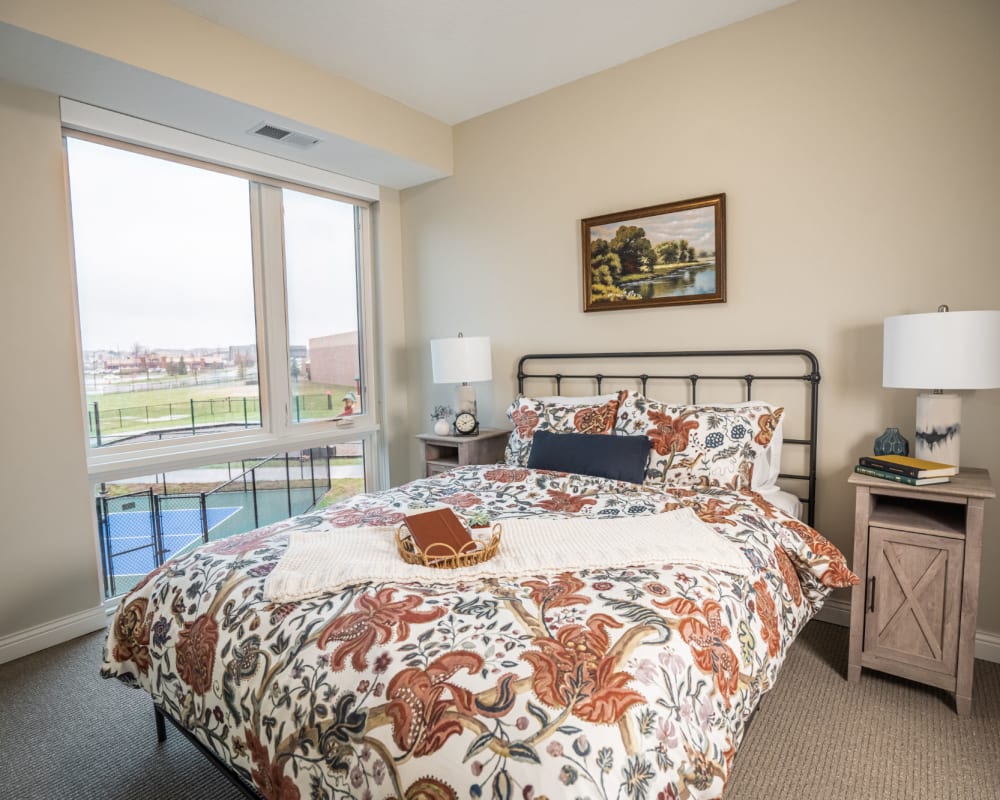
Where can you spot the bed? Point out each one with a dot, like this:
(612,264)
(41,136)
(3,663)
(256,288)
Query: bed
(630,671)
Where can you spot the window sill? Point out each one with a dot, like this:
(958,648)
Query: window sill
(113,463)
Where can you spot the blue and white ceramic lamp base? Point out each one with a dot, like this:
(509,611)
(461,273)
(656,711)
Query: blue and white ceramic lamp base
(939,422)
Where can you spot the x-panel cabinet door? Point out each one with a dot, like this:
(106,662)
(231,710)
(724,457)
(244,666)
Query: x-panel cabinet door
(914,598)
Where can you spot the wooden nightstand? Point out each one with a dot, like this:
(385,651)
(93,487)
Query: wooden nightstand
(446,452)
(917,550)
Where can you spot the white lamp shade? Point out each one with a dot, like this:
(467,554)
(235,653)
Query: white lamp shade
(942,350)
(463,359)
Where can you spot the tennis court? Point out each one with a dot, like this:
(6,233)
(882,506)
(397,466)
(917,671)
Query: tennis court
(131,538)
(142,528)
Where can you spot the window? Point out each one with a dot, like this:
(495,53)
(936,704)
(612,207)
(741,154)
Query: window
(144,520)
(165,280)
(322,289)
(222,315)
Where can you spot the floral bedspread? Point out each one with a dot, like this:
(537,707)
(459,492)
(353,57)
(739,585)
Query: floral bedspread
(601,683)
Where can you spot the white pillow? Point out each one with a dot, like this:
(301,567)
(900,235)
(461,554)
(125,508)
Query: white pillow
(765,478)
(707,456)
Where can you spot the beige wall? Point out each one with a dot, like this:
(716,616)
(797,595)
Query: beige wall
(857,143)
(392,366)
(49,564)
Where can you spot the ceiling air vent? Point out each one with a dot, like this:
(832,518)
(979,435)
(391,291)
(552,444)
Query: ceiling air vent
(294,138)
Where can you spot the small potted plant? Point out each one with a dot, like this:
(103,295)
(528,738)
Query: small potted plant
(440,416)
(479,519)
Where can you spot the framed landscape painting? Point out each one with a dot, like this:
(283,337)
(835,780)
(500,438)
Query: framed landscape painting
(668,255)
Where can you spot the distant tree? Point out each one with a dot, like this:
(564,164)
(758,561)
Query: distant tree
(182,367)
(602,257)
(633,249)
(241,366)
(601,276)
(667,252)
(295,369)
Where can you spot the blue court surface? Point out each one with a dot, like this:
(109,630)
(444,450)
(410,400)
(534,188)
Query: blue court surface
(179,528)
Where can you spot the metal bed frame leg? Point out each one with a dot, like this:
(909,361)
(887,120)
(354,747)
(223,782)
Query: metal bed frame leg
(239,781)
(161,725)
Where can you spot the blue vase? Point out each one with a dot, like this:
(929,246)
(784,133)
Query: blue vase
(892,443)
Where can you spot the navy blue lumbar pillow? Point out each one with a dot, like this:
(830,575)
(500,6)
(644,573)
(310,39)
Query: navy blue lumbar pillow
(622,458)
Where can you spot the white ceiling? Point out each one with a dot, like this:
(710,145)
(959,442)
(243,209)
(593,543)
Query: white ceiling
(457,59)
(451,59)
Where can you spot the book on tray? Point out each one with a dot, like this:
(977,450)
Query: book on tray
(438,526)
(861,469)
(905,465)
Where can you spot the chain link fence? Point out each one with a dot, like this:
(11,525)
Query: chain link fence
(139,530)
(192,416)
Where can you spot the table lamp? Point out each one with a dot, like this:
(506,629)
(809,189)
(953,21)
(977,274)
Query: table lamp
(947,350)
(462,360)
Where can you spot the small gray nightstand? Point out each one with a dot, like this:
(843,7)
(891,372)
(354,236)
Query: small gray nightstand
(442,453)
(916,551)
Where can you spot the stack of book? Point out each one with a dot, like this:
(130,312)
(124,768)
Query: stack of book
(903,469)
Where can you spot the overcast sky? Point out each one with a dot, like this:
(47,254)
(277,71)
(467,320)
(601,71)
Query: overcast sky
(163,255)
(696,225)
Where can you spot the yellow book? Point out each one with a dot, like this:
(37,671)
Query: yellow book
(912,467)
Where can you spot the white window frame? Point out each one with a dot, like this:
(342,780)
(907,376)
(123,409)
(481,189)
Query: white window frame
(268,175)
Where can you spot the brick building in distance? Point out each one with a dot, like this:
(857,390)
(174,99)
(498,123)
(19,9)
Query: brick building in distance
(334,359)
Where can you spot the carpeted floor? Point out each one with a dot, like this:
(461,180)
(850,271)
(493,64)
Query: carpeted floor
(65,732)
(884,738)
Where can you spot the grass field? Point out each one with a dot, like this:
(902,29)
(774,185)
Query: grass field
(214,404)
(661,270)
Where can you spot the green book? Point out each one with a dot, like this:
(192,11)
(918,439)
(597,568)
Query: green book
(914,467)
(892,476)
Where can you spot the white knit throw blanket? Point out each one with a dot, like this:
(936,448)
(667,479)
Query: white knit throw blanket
(320,562)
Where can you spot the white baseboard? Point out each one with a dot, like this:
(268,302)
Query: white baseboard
(988,646)
(26,642)
(838,612)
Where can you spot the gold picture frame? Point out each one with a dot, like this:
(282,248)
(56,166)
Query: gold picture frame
(673,254)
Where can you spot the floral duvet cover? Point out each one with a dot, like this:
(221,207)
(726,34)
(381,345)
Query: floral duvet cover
(600,683)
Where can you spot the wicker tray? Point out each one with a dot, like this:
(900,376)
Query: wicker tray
(441,556)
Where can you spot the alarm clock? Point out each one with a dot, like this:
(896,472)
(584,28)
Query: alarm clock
(466,424)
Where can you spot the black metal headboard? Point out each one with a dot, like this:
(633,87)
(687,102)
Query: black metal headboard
(620,368)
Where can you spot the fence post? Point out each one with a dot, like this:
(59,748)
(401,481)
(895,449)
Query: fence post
(156,518)
(97,423)
(246,424)
(298,412)
(204,518)
(288,484)
(193,431)
(105,540)
(313,451)
(253,484)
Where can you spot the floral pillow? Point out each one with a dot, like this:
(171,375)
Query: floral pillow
(695,445)
(529,415)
